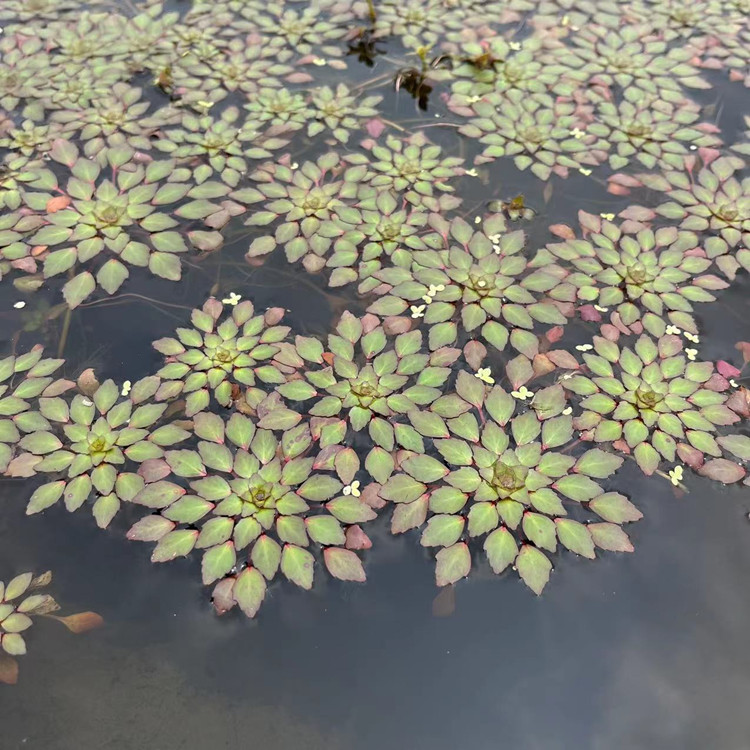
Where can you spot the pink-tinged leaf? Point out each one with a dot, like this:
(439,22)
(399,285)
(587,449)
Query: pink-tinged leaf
(589,222)
(356,538)
(589,314)
(519,371)
(393,325)
(453,564)
(744,348)
(81,622)
(23,465)
(409,515)
(87,382)
(371,496)
(474,353)
(344,564)
(8,669)
(534,568)
(691,456)
(444,604)
(563,359)
(722,470)
(563,231)
(154,469)
(727,370)
(273,315)
(637,213)
(554,334)
(542,365)
(610,536)
(58,203)
(221,596)
(374,127)
(614,189)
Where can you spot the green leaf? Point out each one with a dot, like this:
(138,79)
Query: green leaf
(482,518)
(501,549)
(470,389)
(610,537)
(344,564)
(615,508)
(454,451)
(540,530)
(598,463)
(45,496)
(380,464)
(249,590)
(534,568)
(578,488)
(185,463)
(319,488)
(452,564)
(402,489)
(325,530)
(178,543)
(217,562)
(576,537)
(409,515)
(111,275)
(159,495)
(266,556)
(424,468)
(442,531)
(297,565)
(78,289)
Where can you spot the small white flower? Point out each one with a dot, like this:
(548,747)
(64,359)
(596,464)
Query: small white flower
(601,309)
(473,99)
(472,173)
(691,353)
(515,46)
(417,311)
(584,347)
(232,299)
(585,171)
(607,217)
(565,21)
(320,62)
(674,330)
(676,475)
(733,383)
(692,337)
(427,299)
(522,393)
(19,305)
(87,402)
(494,238)
(484,374)
(567,410)
(693,147)
(126,386)
(567,376)
(577,133)
(477,219)
(352,489)
(294,165)
(433,290)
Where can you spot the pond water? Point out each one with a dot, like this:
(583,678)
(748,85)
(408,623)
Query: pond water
(642,650)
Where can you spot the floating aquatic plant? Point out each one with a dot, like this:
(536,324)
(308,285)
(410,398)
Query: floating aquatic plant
(256,503)
(221,353)
(646,275)
(19,604)
(499,477)
(476,280)
(653,398)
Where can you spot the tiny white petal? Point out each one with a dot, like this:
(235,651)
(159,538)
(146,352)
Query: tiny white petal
(19,305)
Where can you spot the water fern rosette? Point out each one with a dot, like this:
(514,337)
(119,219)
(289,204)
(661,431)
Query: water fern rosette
(480,277)
(339,111)
(499,477)
(253,497)
(538,132)
(645,275)
(412,166)
(228,347)
(88,441)
(119,212)
(24,380)
(715,200)
(365,376)
(304,200)
(653,399)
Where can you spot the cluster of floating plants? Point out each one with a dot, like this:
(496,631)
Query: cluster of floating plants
(20,603)
(137,143)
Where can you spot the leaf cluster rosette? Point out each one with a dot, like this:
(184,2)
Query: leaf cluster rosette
(488,283)
(18,604)
(715,200)
(536,130)
(650,399)
(121,210)
(676,19)
(221,144)
(654,133)
(647,275)
(255,498)
(632,55)
(499,477)
(15,174)
(367,377)
(24,380)
(279,107)
(29,142)
(304,200)
(224,351)
(339,111)
(88,441)
(412,166)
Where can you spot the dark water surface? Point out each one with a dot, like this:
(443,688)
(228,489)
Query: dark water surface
(644,651)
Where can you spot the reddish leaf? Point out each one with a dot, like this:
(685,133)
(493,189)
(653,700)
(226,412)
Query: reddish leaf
(744,348)
(222,597)
(58,203)
(563,231)
(722,470)
(81,622)
(727,370)
(8,669)
(357,539)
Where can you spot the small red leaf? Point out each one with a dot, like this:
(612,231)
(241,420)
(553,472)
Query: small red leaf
(81,622)
(8,669)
